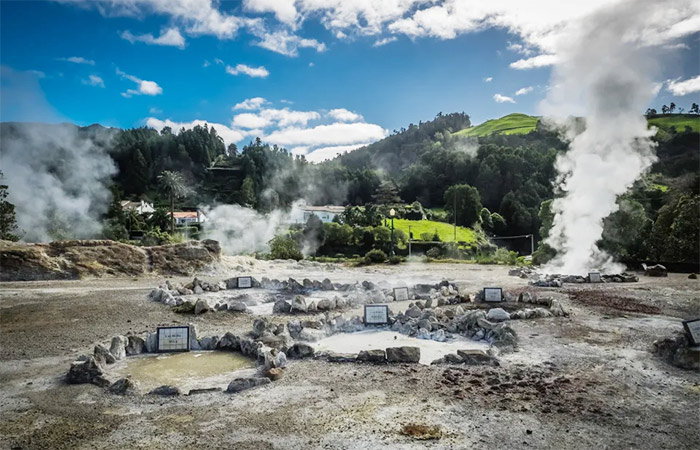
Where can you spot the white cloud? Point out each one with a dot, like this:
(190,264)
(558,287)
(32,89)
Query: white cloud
(524,91)
(229,135)
(384,41)
(324,153)
(519,48)
(254,72)
(155,110)
(78,60)
(251,103)
(685,87)
(284,10)
(311,64)
(206,63)
(344,115)
(250,120)
(94,80)
(145,87)
(168,37)
(503,99)
(488,79)
(534,62)
(283,42)
(328,135)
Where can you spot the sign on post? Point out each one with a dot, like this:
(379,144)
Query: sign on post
(492,294)
(400,294)
(245,282)
(594,277)
(376,314)
(692,330)
(173,339)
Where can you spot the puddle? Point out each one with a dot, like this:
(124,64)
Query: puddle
(190,370)
(369,340)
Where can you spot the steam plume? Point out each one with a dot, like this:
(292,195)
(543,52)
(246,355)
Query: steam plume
(606,65)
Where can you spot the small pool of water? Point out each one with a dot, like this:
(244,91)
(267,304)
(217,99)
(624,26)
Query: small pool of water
(370,339)
(189,370)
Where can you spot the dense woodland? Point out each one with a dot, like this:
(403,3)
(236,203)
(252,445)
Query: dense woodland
(499,183)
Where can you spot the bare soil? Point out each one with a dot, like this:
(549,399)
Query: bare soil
(586,381)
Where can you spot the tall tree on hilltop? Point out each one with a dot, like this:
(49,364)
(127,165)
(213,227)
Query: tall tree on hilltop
(174,185)
(8,222)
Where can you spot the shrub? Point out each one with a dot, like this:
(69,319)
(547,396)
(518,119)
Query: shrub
(375,256)
(433,253)
(285,247)
(395,259)
(156,237)
(426,236)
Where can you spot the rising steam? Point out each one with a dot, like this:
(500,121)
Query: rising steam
(607,67)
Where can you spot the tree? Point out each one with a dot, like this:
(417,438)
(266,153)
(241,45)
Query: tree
(248,191)
(694,109)
(671,107)
(387,194)
(650,112)
(174,186)
(284,247)
(664,109)
(467,201)
(8,221)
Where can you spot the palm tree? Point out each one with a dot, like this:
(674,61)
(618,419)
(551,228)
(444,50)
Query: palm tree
(174,185)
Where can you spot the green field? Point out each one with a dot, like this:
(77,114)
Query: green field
(515,123)
(445,230)
(679,121)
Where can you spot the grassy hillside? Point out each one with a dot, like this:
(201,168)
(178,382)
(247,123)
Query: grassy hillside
(511,124)
(445,230)
(678,121)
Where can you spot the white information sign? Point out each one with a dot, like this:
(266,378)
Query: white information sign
(173,339)
(245,282)
(493,294)
(376,314)
(400,294)
(692,329)
(594,277)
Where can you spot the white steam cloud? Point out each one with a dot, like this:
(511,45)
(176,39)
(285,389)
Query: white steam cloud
(602,67)
(57,179)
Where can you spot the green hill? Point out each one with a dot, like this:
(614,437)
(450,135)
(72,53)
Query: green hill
(678,121)
(445,230)
(515,123)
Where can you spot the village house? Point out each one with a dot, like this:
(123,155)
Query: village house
(301,213)
(189,217)
(140,207)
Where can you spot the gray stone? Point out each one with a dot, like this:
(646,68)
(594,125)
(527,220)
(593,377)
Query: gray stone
(281,306)
(300,350)
(425,323)
(413,312)
(241,384)
(124,386)
(237,306)
(294,327)
(198,290)
(656,270)
(326,285)
(208,343)
(311,307)
(403,354)
(118,347)
(326,304)
(373,356)
(151,344)
(299,304)
(87,370)
(221,307)
(103,355)
(201,306)
(340,357)
(476,357)
(311,335)
(229,342)
(166,391)
(497,315)
(315,324)
(134,346)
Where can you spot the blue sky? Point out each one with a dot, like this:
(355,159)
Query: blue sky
(327,83)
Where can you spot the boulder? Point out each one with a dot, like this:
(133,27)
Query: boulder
(373,356)
(340,303)
(87,370)
(693,276)
(300,350)
(124,386)
(281,307)
(403,354)
(476,357)
(103,355)
(208,343)
(118,347)
(311,307)
(294,327)
(657,270)
(151,343)
(311,335)
(201,306)
(198,290)
(229,342)
(340,357)
(274,358)
(326,285)
(299,304)
(557,309)
(274,373)
(135,345)
(497,315)
(166,391)
(241,384)
(237,307)
(413,312)
(677,351)
(221,306)
(186,307)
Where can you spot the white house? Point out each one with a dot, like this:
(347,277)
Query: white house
(301,213)
(189,217)
(140,207)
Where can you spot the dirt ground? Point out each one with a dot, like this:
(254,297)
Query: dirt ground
(586,381)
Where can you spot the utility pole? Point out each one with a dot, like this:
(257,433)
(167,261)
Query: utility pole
(410,238)
(392,212)
(532,244)
(455,214)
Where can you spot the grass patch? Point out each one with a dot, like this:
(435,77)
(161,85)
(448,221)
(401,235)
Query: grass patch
(511,124)
(679,121)
(445,230)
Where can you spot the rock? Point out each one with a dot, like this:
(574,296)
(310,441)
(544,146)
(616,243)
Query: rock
(201,306)
(204,391)
(300,350)
(260,326)
(151,343)
(368,285)
(476,357)
(294,327)
(281,307)
(208,343)
(87,370)
(656,270)
(413,312)
(325,305)
(118,347)
(373,356)
(315,324)
(403,354)
(299,304)
(274,373)
(693,276)
(497,315)
(186,307)
(439,336)
(557,309)
(166,391)
(124,386)
(241,384)
(229,342)
(134,345)
(103,356)
(198,290)
(340,357)
(221,307)
(425,323)
(311,335)
(429,303)
(311,307)
(340,303)
(326,285)
(274,358)
(237,307)
(677,351)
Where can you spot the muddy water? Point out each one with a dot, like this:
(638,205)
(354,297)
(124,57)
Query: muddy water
(369,340)
(191,370)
